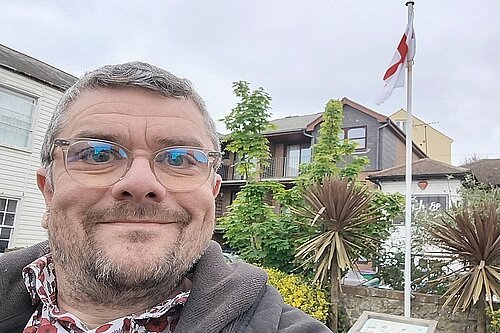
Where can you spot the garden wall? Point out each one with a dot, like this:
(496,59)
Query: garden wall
(357,299)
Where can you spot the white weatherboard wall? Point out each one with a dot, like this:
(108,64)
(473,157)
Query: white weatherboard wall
(434,187)
(18,166)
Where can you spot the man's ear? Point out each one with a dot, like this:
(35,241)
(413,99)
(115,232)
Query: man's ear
(44,185)
(217,182)
(46,189)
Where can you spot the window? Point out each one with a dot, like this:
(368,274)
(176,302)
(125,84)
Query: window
(356,135)
(296,155)
(16,118)
(401,124)
(432,203)
(7,214)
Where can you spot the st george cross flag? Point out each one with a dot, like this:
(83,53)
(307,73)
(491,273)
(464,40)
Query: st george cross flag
(394,76)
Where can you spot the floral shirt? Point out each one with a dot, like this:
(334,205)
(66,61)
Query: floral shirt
(40,279)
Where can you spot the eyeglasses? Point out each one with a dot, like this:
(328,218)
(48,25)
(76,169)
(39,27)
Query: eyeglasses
(102,163)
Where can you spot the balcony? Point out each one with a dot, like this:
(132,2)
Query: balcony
(278,168)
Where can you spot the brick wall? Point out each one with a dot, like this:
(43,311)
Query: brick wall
(357,299)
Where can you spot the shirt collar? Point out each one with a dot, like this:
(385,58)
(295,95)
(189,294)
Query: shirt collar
(40,280)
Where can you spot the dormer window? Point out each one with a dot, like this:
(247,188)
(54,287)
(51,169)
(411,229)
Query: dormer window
(356,135)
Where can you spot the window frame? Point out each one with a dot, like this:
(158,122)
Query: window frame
(4,213)
(401,124)
(34,116)
(346,130)
(289,170)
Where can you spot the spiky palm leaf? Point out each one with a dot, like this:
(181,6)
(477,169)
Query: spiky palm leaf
(341,209)
(474,239)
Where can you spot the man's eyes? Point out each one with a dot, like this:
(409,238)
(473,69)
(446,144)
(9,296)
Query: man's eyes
(97,155)
(92,153)
(175,159)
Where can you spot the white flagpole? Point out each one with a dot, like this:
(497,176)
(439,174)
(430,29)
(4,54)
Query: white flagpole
(408,178)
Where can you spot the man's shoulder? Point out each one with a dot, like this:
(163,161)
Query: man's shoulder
(15,303)
(10,262)
(274,315)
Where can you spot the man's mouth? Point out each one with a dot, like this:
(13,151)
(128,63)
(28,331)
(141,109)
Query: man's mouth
(135,222)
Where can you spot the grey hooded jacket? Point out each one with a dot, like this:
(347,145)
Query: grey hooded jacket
(224,298)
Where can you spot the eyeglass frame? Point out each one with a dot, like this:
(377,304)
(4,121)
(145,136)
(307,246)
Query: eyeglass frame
(64,144)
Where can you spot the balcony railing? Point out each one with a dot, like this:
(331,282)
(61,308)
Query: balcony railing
(277,168)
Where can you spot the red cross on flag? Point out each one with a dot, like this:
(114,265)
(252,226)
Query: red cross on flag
(394,76)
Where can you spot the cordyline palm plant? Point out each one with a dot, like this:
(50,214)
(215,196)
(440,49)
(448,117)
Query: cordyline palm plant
(341,210)
(472,239)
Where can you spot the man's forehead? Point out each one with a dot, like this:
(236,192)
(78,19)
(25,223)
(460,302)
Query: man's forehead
(158,140)
(127,95)
(111,114)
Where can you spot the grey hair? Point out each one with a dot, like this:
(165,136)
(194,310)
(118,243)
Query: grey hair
(132,74)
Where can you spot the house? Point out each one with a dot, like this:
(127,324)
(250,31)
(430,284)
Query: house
(29,91)
(434,185)
(434,144)
(485,171)
(376,135)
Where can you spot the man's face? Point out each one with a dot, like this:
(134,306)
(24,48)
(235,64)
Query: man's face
(135,229)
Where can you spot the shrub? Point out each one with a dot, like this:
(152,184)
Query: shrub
(494,320)
(300,294)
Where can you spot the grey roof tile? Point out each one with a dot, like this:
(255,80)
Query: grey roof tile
(422,167)
(25,65)
(486,170)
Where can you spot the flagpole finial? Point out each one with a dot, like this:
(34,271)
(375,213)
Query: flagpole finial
(410,3)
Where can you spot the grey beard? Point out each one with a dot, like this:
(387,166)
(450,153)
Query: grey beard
(94,277)
(98,280)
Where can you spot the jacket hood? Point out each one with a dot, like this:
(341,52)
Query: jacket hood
(220,292)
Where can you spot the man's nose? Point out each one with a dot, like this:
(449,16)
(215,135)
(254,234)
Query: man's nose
(139,183)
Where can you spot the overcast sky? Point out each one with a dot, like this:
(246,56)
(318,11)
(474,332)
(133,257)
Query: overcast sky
(302,52)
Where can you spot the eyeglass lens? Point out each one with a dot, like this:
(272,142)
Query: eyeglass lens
(98,163)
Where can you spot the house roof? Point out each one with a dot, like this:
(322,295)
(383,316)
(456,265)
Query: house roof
(485,170)
(293,123)
(423,168)
(23,64)
(308,122)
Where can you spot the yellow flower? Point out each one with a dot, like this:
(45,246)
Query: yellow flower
(300,293)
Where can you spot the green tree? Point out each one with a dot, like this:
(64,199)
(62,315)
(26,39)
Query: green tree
(251,223)
(330,153)
(256,231)
(246,122)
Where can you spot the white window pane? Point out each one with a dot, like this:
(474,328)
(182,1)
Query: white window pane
(5,233)
(359,132)
(401,124)
(3,245)
(292,161)
(16,118)
(9,219)
(360,143)
(13,136)
(305,155)
(11,206)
